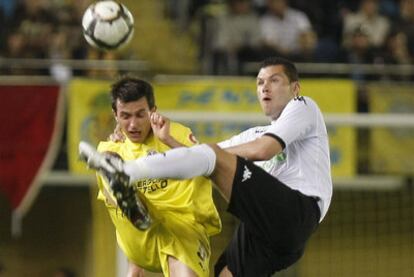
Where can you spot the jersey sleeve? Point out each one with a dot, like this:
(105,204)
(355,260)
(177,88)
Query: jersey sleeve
(243,137)
(295,121)
(229,142)
(182,134)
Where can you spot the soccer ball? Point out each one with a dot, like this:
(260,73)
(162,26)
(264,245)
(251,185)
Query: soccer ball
(107,25)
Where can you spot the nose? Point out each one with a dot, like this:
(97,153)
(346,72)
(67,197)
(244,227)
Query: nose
(133,123)
(265,87)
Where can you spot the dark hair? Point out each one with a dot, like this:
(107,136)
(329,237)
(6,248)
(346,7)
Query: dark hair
(289,67)
(129,89)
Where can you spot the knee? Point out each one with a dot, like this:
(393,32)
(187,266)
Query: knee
(223,157)
(219,151)
(135,271)
(215,147)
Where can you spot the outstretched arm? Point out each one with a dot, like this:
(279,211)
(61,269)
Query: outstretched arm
(260,149)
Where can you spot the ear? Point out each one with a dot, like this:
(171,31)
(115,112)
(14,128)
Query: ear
(114,114)
(296,88)
(154,109)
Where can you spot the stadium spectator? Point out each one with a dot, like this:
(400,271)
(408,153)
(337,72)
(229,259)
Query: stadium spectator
(287,32)
(43,29)
(206,18)
(326,21)
(236,38)
(359,51)
(396,52)
(406,23)
(368,19)
(68,18)
(36,20)
(7,8)
(16,47)
(395,49)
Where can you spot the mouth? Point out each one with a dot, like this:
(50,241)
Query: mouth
(266,99)
(134,134)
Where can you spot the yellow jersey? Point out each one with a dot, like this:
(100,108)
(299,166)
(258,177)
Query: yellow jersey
(183,211)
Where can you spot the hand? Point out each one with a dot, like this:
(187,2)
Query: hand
(117,135)
(160,126)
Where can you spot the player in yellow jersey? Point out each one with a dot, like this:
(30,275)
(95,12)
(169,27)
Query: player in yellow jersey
(182,212)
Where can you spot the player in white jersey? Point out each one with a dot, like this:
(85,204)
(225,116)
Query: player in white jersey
(276,178)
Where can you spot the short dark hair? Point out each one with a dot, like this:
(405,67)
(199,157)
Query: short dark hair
(129,89)
(289,67)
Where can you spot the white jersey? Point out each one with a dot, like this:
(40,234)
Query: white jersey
(304,163)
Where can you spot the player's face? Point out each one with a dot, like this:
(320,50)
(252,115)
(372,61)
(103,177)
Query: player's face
(134,119)
(274,90)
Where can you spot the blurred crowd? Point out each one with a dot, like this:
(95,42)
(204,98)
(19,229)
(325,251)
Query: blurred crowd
(39,29)
(230,33)
(235,32)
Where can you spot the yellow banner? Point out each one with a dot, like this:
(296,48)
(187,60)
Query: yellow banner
(90,116)
(239,95)
(213,94)
(337,96)
(391,149)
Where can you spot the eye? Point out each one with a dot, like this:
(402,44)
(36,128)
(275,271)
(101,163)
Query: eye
(142,114)
(124,116)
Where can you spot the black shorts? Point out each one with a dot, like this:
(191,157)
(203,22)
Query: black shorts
(275,223)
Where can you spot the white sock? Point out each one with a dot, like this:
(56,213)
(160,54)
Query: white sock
(178,163)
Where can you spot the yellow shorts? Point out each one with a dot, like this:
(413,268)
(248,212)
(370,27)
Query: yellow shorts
(170,235)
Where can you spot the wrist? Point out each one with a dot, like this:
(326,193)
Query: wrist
(167,140)
(171,142)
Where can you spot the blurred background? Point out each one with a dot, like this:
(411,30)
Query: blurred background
(354,57)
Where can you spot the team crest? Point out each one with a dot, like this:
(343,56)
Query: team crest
(275,161)
(281,157)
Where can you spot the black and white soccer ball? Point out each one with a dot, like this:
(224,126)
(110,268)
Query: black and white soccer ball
(107,25)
